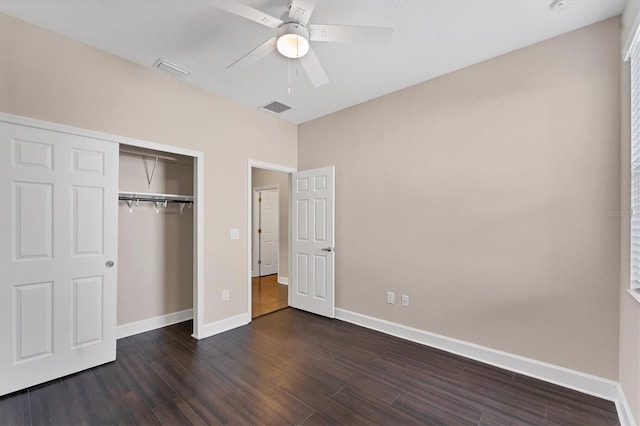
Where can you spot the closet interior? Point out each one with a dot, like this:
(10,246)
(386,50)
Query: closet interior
(155,235)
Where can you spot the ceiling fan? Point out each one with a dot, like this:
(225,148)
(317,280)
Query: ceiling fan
(294,33)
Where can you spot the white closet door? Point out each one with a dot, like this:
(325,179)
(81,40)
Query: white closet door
(58,239)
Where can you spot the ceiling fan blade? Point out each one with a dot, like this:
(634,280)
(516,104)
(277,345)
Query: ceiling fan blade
(249,13)
(350,34)
(314,70)
(301,10)
(256,54)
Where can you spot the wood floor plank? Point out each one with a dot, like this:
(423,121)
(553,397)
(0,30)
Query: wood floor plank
(492,418)
(240,373)
(177,412)
(201,349)
(178,378)
(479,395)
(313,392)
(113,380)
(554,393)
(437,409)
(378,388)
(424,360)
(85,396)
(376,410)
(217,384)
(317,419)
(257,384)
(322,384)
(214,411)
(49,404)
(375,367)
(131,409)
(14,409)
(256,411)
(570,416)
(150,351)
(148,384)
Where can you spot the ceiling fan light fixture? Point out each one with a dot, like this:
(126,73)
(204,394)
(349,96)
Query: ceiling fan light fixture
(293,40)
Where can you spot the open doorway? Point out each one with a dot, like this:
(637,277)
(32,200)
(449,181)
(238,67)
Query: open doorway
(269,241)
(310,237)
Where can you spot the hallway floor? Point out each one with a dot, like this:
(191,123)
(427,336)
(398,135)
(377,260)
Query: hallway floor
(267,295)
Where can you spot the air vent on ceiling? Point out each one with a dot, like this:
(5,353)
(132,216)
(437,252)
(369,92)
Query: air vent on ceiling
(276,107)
(171,69)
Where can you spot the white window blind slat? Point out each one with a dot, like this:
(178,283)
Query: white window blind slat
(635,166)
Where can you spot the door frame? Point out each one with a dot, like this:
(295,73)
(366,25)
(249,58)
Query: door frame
(255,229)
(274,168)
(198,181)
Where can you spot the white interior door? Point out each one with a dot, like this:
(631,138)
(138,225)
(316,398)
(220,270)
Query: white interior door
(266,240)
(269,232)
(312,277)
(58,235)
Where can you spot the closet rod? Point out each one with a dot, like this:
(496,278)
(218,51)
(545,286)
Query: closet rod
(146,196)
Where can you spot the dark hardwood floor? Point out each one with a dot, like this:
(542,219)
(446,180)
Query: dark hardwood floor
(291,367)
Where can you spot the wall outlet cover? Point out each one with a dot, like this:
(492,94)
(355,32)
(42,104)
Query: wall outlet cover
(391,296)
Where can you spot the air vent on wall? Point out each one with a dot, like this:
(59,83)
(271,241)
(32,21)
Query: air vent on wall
(276,107)
(171,69)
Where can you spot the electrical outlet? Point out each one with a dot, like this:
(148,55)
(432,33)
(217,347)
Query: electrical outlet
(225,295)
(405,300)
(391,297)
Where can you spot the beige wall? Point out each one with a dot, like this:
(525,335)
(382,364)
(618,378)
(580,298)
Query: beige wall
(262,177)
(50,77)
(481,195)
(155,250)
(629,368)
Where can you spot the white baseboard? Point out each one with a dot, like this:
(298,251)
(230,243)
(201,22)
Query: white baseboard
(624,411)
(137,327)
(582,382)
(283,280)
(223,325)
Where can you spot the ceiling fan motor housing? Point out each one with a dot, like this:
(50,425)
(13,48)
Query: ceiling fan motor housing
(293,40)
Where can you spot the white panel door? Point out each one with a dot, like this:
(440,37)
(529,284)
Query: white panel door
(312,278)
(58,235)
(268,232)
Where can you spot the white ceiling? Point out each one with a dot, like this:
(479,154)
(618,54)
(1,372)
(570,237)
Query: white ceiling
(430,38)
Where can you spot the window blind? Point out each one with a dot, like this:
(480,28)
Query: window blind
(635,165)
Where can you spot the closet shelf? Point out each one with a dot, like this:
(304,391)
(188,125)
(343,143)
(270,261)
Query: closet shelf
(148,196)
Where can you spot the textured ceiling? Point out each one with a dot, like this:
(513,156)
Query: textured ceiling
(430,38)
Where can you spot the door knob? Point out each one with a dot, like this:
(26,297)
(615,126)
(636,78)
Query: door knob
(109,263)
(329,249)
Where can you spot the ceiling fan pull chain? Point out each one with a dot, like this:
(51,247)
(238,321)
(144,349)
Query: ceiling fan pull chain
(289,89)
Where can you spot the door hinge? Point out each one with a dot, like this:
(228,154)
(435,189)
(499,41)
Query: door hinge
(259,262)
(259,200)
(259,231)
